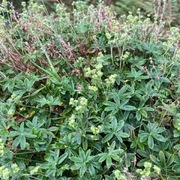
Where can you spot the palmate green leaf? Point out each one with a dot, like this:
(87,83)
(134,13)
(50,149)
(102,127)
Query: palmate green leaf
(77,160)
(170,160)
(148,88)
(152,126)
(177,147)
(84,143)
(83,169)
(123,90)
(112,146)
(160,130)
(50,158)
(111,106)
(159,137)
(16,142)
(135,73)
(155,160)
(176,133)
(176,168)
(22,142)
(123,103)
(13,133)
(120,125)
(82,154)
(77,137)
(116,97)
(138,115)
(107,138)
(10,83)
(143,153)
(114,124)
(103,157)
(108,162)
(116,152)
(143,137)
(143,113)
(148,109)
(162,159)
(20,92)
(91,170)
(123,134)
(128,108)
(115,157)
(113,153)
(21,129)
(150,142)
(56,155)
(29,135)
(88,156)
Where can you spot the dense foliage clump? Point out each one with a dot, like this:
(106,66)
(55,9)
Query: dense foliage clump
(85,95)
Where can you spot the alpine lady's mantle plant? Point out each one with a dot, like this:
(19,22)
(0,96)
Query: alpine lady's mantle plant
(85,95)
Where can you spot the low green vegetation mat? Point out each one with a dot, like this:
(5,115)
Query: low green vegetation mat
(84,95)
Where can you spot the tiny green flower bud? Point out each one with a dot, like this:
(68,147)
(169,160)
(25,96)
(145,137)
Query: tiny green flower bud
(35,170)
(83,101)
(94,76)
(147,165)
(5,174)
(71,102)
(108,35)
(78,108)
(15,168)
(98,66)
(156,169)
(72,121)
(117,174)
(95,130)
(93,88)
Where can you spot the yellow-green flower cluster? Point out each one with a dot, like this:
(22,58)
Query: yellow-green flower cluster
(72,122)
(5,173)
(1,148)
(80,104)
(115,26)
(34,170)
(157,170)
(93,88)
(73,102)
(36,8)
(108,35)
(126,55)
(96,130)
(14,99)
(147,169)
(119,175)
(111,80)
(15,168)
(87,72)
(99,57)
(11,112)
(95,73)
